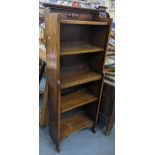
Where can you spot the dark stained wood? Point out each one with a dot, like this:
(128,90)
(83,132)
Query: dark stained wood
(53,52)
(111,122)
(91,109)
(83,22)
(74,35)
(76,99)
(72,13)
(95,62)
(76,45)
(74,124)
(99,38)
(79,49)
(98,106)
(107,108)
(73,63)
(74,78)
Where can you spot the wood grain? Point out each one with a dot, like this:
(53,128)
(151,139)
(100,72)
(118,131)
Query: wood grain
(83,22)
(79,49)
(107,108)
(74,78)
(53,52)
(76,99)
(74,69)
(74,124)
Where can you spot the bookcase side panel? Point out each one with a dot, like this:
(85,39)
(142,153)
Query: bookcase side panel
(107,34)
(53,74)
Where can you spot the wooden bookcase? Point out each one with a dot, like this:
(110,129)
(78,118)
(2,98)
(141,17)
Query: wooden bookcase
(76,46)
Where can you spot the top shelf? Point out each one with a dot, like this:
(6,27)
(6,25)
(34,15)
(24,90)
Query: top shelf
(78,22)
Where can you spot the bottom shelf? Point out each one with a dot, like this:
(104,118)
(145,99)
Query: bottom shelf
(74,123)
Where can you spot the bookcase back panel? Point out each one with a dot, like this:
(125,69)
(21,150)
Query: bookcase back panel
(74,62)
(92,61)
(92,87)
(72,34)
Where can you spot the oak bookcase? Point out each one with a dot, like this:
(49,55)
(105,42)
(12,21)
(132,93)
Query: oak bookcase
(76,46)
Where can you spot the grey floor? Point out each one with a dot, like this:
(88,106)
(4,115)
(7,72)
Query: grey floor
(81,143)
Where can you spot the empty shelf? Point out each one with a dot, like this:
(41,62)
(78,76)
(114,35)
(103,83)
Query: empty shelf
(74,78)
(74,123)
(76,99)
(83,22)
(79,49)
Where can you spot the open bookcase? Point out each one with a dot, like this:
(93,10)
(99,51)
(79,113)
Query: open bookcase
(75,56)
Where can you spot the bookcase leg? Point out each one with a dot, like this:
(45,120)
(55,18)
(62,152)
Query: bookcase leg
(106,132)
(58,148)
(93,129)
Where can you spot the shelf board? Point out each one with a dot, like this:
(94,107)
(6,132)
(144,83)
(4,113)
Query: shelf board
(76,99)
(74,78)
(83,22)
(73,124)
(79,49)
